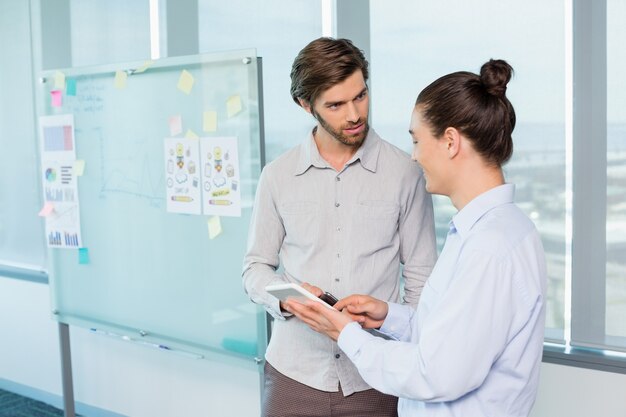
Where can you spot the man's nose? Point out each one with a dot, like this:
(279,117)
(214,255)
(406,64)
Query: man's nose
(352,114)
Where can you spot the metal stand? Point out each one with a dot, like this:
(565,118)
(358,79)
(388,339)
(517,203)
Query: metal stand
(66,370)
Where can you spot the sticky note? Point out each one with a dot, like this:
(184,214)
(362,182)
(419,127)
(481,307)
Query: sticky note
(215,227)
(83,256)
(191,134)
(209,121)
(233,105)
(70,84)
(79,167)
(120,79)
(185,82)
(176,125)
(59,80)
(144,67)
(57,98)
(47,209)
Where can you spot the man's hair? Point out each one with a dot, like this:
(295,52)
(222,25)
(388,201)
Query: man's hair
(476,105)
(322,64)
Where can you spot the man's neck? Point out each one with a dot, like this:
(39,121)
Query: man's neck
(334,152)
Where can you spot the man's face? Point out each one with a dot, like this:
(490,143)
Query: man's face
(342,110)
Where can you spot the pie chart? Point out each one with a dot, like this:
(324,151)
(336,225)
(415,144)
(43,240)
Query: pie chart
(51,175)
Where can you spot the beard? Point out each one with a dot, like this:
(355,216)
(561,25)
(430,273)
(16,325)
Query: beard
(348,140)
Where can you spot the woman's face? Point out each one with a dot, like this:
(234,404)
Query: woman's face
(431,153)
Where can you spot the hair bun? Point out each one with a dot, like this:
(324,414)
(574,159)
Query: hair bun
(495,75)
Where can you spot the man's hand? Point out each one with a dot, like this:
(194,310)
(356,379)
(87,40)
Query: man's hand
(319,317)
(370,312)
(316,291)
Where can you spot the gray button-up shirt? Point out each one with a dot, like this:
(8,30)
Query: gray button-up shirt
(345,232)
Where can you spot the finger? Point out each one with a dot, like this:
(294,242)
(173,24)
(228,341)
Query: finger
(316,291)
(344,302)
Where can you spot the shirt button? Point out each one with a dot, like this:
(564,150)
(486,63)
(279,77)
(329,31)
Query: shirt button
(338,256)
(338,179)
(338,229)
(337,204)
(337,356)
(337,279)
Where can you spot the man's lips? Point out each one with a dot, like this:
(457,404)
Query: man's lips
(355,130)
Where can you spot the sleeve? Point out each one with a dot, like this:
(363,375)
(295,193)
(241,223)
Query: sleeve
(265,239)
(418,250)
(458,342)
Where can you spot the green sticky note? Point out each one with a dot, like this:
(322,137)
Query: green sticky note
(233,105)
(79,167)
(59,80)
(83,256)
(215,227)
(209,121)
(70,86)
(185,82)
(191,134)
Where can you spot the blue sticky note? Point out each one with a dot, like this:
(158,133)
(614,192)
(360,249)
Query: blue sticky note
(83,256)
(70,86)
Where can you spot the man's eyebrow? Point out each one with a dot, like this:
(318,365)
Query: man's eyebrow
(335,103)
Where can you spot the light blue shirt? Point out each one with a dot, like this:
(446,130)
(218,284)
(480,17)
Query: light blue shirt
(473,347)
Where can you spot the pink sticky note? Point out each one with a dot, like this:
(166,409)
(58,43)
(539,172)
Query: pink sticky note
(47,209)
(57,98)
(176,125)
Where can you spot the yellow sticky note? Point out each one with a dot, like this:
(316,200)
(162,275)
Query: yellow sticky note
(79,167)
(185,82)
(209,121)
(120,79)
(233,105)
(191,134)
(59,80)
(144,67)
(215,227)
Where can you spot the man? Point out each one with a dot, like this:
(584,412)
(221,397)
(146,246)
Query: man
(340,213)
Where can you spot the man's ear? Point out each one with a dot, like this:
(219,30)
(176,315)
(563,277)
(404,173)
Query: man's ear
(452,138)
(305,105)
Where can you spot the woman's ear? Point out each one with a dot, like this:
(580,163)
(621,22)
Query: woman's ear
(452,138)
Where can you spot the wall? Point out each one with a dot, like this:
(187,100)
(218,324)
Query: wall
(137,381)
(109,374)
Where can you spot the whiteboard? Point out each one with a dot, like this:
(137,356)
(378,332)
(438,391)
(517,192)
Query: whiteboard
(154,276)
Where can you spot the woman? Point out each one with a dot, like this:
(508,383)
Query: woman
(473,347)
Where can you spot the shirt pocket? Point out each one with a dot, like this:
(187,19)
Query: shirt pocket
(301,222)
(375,225)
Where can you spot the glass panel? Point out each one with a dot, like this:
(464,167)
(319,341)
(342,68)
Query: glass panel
(21,230)
(616,172)
(152,274)
(278,29)
(415,42)
(109,31)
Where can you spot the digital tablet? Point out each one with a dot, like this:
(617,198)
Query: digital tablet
(291,290)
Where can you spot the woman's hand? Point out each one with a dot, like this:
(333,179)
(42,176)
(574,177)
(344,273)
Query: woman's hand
(370,312)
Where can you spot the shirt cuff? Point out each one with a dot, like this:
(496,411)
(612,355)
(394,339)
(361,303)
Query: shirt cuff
(274,310)
(396,321)
(352,338)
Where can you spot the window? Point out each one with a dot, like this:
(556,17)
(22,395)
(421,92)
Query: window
(616,175)
(415,42)
(278,32)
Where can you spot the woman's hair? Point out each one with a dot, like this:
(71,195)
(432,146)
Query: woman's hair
(322,64)
(476,105)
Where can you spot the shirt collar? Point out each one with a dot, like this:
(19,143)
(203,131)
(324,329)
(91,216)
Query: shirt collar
(367,154)
(465,219)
